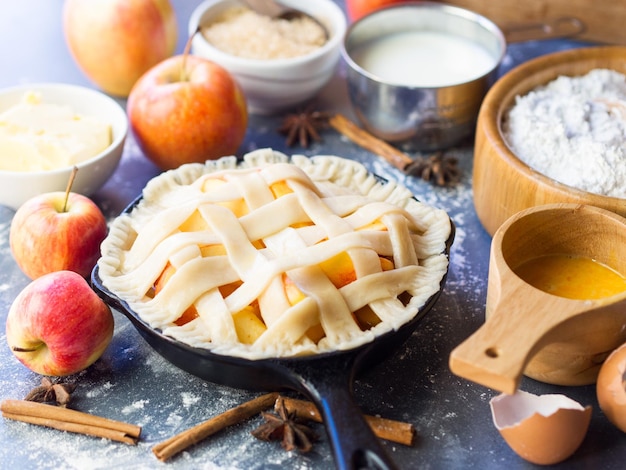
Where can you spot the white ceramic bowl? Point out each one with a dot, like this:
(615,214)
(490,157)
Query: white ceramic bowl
(275,85)
(17,187)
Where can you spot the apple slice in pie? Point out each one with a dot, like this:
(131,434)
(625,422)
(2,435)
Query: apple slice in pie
(275,256)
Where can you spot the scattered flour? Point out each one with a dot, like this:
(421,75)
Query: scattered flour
(99,391)
(573,130)
(189,399)
(135,406)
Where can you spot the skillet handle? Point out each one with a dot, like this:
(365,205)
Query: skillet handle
(354,445)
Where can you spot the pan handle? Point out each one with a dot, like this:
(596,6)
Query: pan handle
(353,443)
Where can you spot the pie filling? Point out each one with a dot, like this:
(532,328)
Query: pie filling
(275,257)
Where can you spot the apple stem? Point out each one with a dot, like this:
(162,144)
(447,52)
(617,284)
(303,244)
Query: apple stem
(68,189)
(18,349)
(183,72)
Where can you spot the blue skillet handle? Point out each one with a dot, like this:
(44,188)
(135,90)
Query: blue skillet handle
(329,386)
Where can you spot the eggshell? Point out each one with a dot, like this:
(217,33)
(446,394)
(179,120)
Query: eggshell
(543,429)
(611,387)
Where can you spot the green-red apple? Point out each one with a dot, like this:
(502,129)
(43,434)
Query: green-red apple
(57,325)
(187,109)
(50,234)
(115,41)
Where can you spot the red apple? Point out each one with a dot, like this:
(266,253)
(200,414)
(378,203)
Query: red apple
(359,8)
(187,109)
(115,41)
(50,234)
(57,325)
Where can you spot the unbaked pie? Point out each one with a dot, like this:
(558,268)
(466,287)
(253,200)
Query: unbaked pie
(275,257)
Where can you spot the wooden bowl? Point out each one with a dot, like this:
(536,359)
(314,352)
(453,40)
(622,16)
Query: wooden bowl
(502,183)
(527,331)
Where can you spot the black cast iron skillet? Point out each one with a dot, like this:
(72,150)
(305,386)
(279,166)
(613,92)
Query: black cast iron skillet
(325,378)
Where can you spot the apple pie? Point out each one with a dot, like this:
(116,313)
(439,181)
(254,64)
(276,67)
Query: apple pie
(275,256)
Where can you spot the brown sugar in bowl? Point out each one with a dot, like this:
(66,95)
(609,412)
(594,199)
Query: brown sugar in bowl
(504,185)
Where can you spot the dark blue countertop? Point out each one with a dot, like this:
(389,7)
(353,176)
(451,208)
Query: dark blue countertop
(133,383)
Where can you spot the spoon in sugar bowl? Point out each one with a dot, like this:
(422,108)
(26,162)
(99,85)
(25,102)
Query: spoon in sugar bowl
(274,9)
(558,322)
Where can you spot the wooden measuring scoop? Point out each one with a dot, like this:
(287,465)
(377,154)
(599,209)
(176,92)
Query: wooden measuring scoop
(528,331)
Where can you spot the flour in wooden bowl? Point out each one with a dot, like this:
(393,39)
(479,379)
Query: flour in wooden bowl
(573,130)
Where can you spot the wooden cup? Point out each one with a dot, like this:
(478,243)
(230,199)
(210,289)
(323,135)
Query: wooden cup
(528,331)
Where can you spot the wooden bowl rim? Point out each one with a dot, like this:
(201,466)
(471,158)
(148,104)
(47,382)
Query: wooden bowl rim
(573,211)
(500,95)
(560,207)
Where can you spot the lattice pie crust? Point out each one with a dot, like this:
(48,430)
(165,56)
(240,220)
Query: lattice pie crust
(275,257)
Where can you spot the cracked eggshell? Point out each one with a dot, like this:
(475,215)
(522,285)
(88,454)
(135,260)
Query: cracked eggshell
(611,387)
(543,429)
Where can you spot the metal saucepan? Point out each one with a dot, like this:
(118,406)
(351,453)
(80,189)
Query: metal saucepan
(398,100)
(326,379)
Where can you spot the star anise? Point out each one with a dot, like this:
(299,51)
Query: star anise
(286,427)
(51,392)
(303,126)
(438,168)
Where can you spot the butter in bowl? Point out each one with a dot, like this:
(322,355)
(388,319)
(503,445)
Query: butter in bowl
(48,129)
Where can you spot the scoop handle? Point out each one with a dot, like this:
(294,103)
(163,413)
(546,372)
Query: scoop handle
(497,353)
(353,443)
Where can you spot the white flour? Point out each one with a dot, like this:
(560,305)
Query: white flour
(573,130)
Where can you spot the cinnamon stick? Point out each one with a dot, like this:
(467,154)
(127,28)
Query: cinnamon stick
(70,420)
(388,429)
(395,431)
(167,449)
(369,142)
